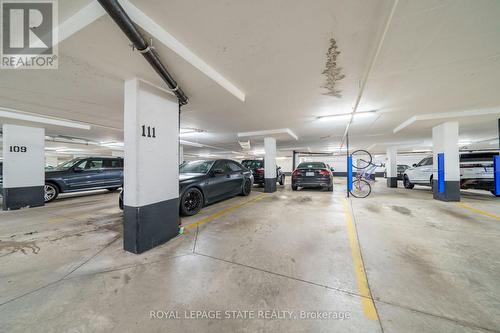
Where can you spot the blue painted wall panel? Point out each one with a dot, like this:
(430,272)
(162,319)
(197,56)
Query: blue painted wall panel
(349,172)
(440,158)
(496,168)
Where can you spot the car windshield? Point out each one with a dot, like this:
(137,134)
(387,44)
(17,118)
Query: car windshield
(253,164)
(312,165)
(196,167)
(67,165)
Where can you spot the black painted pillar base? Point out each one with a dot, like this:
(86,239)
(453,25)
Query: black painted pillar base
(269,185)
(149,226)
(20,197)
(392,181)
(451,191)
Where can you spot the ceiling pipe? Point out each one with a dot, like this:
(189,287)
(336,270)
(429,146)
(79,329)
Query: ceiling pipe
(369,71)
(118,14)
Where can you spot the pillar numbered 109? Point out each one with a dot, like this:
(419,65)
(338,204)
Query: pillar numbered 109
(23,166)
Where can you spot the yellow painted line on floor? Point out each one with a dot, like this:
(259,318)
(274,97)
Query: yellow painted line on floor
(478,211)
(223,212)
(57,219)
(359,268)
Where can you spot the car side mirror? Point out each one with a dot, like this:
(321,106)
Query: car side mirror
(77,169)
(279,168)
(332,170)
(414,165)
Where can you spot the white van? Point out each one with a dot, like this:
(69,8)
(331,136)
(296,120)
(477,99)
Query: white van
(476,172)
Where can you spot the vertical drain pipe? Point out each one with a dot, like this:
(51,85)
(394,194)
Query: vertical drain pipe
(118,14)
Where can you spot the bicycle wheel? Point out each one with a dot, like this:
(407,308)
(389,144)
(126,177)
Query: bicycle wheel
(361,159)
(360,188)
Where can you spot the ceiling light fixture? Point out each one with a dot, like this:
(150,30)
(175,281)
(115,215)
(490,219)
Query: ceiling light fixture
(189,130)
(20,115)
(258,152)
(358,114)
(112,144)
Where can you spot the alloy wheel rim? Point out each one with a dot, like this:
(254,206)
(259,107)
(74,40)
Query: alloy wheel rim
(192,201)
(49,192)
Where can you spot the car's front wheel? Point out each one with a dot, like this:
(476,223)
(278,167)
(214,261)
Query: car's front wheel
(247,188)
(191,202)
(407,184)
(282,180)
(51,192)
(294,187)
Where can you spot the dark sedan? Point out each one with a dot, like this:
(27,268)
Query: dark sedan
(205,181)
(312,174)
(257,168)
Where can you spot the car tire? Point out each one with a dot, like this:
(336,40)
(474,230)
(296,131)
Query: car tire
(191,202)
(407,184)
(51,191)
(431,183)
(112,189)
(294,187)
(246,188)
(282,180)
(330,188)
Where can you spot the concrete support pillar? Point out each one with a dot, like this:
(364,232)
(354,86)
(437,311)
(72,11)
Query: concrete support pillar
(181,154)
(270,165)
(23,166)
(391,167)
(151,172)
(446,182)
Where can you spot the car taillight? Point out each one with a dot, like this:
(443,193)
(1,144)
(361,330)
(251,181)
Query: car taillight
(324,172)
(260,170)
(296,173)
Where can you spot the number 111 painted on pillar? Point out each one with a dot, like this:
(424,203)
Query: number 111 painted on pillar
(150,131)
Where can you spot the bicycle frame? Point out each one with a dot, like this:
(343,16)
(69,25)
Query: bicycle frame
(368,172)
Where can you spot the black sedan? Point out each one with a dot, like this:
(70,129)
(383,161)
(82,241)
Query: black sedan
(257,168)
(207,181)
(312,174)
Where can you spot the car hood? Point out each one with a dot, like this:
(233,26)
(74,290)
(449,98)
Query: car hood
(189,176)
(55,173)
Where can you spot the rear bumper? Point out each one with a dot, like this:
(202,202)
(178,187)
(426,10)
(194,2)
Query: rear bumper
(258,178)
(312,182)
(478,184)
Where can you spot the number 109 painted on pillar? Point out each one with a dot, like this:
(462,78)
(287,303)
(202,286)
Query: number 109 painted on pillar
(148,131)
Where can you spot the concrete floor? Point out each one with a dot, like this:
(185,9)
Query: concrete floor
(430,266)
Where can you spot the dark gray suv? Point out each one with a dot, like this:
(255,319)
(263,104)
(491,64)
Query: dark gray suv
(84,174)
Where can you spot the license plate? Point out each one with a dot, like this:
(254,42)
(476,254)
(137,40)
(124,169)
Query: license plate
(310,174)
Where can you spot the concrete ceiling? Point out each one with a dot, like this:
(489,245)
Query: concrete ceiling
(437,56)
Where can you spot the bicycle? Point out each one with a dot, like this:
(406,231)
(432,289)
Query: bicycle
(361,187)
